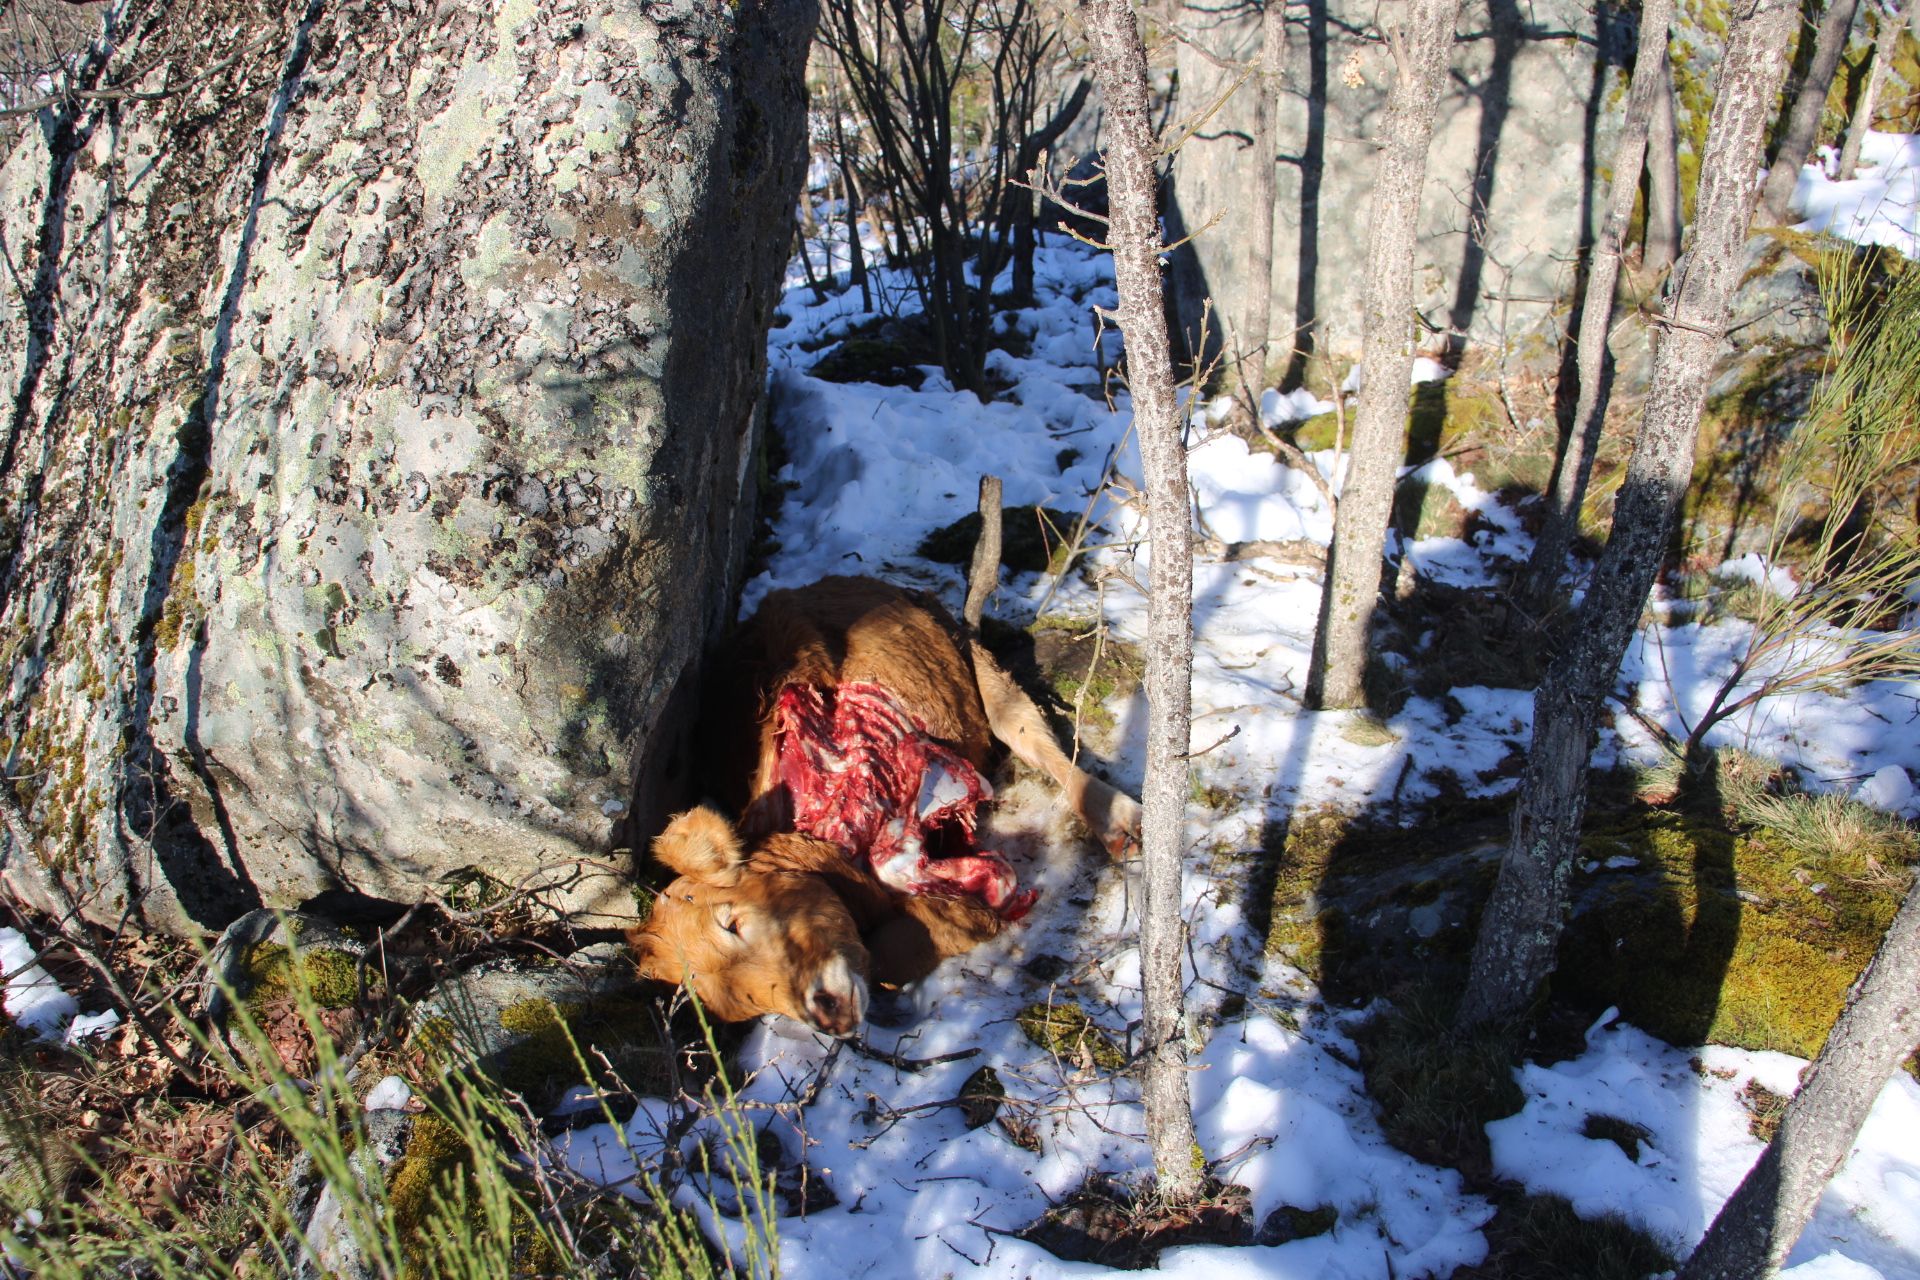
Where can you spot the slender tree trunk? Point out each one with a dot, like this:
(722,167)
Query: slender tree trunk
(1596,314)
(1803,123)
(850,185)
(1758,1226)
(1420,33)
(1256,328)
(1663,179)
(1120,64)
(1521,928)
(1037,144)
(856,256)
(1884,47)
(801,234)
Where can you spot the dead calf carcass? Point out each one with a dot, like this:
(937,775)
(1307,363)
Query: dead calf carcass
(850,726)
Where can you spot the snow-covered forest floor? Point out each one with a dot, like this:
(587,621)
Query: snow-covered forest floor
(870,471)
(1610,1118)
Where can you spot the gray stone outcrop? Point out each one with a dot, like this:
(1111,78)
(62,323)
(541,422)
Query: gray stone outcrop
(380,398)
(1525,126)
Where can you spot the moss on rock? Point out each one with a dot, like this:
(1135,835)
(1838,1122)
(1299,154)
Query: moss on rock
(329,974)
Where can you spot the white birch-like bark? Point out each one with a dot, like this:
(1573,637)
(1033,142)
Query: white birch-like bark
(1884,46)
(1120,65)
(1803,121)
(1420,33)
(1596,316)
(1256,329)
(1518,935)
(1758,1226)
(1663,179)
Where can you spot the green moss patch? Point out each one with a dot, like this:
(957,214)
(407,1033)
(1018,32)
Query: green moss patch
(1335,891)
(1065,667)
(553,1046)
(1437,1089)
(1720,936)
(1064,1030)
(435,1157)
(330,975)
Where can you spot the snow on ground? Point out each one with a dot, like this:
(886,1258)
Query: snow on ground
(1834,741)
(35,1001)
(1880,206)
(1279,1110)
(1753,567)
(1699,1146)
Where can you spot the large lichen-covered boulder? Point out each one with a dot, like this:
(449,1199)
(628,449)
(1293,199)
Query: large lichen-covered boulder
(380,384)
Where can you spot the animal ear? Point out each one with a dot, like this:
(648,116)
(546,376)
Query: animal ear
(646,953)
(701,845)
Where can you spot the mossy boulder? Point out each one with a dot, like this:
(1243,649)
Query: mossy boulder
(267,955)
(536,1027)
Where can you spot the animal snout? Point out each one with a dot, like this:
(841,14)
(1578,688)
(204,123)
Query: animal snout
(837,999)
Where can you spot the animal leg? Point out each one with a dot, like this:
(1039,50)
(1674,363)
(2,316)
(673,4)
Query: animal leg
(933,927)
(1113,816)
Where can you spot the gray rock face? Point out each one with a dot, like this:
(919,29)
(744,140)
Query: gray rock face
(379,410)
(1527,121)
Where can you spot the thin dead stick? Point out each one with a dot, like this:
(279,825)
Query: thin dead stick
(1222,741)
(983,576)
(1099,646)
(866,1050)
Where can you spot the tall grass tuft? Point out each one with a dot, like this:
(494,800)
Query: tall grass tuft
(1835,509)
(479,1193)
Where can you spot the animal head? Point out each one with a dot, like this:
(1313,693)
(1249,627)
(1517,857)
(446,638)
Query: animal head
(754,935)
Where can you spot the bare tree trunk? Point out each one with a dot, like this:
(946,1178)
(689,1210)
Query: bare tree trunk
(1256,328)
(1420,33)
(850,185)
(1758,1226)
(1663,179)
(1884,47)
(1120,64)
(1514,952)
(1803,123)
(1036,144)
(1595,369)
